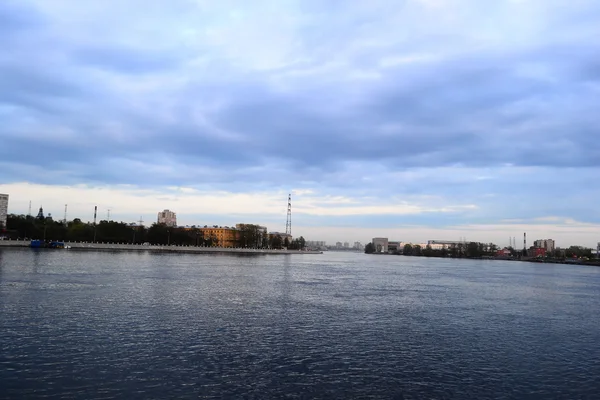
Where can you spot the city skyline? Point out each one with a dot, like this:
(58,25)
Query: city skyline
(423,120)
(332,235)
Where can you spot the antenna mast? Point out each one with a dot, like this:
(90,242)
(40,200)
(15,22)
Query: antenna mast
(29,212)
(65,219)
(288,222)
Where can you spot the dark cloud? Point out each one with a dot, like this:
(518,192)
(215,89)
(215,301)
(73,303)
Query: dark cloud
(334,100)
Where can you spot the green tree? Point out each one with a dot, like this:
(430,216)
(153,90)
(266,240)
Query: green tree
(250,235)
(157,234)
(407,250)
(444,251)
(428,252)
(417,251)
(302,242)
(275,242)
(369,248)
(474,250)
(454,250)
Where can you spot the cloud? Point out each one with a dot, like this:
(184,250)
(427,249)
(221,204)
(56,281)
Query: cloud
(431,112)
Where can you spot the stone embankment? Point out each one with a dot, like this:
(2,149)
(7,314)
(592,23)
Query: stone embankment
(160,248)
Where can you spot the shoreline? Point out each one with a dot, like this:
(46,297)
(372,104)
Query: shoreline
(527,259)
(157,248)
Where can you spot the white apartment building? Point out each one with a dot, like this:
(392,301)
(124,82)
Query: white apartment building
(547,244)
(169,218)
(3,209)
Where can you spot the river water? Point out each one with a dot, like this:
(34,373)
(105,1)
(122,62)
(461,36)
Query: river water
(100,325)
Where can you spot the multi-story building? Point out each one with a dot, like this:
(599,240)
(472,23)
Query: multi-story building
(223,236)
(380,244)
(169,218)
(3,210)
(315,243)
(546,244)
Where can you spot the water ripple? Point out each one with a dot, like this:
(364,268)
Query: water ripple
(336,326)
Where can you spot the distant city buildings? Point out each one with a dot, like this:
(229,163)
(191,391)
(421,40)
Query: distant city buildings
(547,244)
(3,209)
(316,244)
(445,242)
(168,218)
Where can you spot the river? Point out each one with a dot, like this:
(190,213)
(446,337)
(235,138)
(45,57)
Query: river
(100,325)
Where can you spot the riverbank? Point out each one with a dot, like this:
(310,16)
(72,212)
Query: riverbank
(158,248)
(567,261)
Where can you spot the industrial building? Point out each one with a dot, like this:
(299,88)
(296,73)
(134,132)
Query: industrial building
(546,244)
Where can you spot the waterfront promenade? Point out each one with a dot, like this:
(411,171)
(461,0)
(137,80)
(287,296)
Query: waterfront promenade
(159,248)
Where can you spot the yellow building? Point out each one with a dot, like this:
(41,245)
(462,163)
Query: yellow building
(225,236)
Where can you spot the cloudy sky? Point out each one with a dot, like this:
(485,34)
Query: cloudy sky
(412,119)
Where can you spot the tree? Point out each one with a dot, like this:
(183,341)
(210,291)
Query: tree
(250,235)
(454,250)
(417,251)
(302,242)
(473,249)
(428,252)
(407,250)
(275,242)
(286,242)
(444,251)
(578,252)
(369,248)
(157,234)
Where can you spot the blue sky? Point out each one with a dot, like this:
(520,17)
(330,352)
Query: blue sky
(414,119)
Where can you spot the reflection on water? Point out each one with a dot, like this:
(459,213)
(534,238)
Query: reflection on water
(138,325)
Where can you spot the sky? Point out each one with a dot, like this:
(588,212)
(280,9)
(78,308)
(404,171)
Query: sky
(407,119)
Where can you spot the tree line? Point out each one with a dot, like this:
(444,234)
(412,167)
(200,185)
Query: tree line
(479,250)
(459,250)
(29,227)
